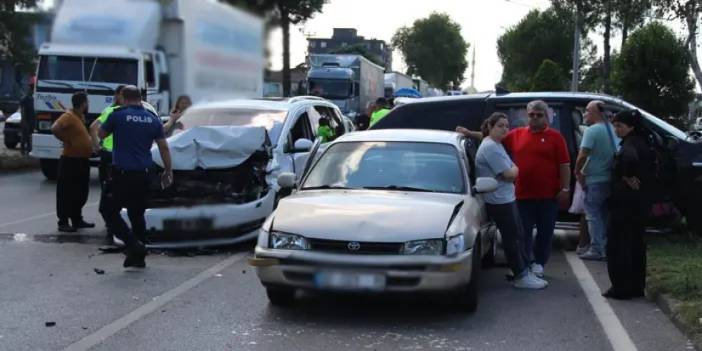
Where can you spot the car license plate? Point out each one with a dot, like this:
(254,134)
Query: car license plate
(187,225)
(350,281)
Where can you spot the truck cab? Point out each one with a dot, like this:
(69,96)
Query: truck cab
(336,84)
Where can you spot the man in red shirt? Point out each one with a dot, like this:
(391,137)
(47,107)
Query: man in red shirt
(543,184)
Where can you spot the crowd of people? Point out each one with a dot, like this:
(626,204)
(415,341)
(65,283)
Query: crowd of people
(614,170)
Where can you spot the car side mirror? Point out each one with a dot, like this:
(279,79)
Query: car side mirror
(286,180)
(485,185)
(303,145)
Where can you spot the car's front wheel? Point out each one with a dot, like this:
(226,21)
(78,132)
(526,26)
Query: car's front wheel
(468,295)
(280,296)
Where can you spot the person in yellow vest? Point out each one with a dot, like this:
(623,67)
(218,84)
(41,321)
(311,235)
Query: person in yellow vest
(381,110)
(324,131)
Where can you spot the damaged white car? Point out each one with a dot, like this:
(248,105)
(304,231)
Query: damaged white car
(226,158)
(387,210)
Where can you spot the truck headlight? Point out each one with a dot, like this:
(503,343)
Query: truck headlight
(285,241)
(455,245)
(44,125)
(424,247)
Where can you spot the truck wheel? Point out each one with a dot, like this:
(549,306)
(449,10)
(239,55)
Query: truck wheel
(280,296)
(49,168)
(468,295)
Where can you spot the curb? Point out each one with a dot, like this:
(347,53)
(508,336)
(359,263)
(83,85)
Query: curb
(15,162)
(669,305)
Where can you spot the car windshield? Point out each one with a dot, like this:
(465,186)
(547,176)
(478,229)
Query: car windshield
(88,69)
(272,120)
(405,166)
(331,88)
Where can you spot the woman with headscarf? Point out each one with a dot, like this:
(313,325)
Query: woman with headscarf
(630,204)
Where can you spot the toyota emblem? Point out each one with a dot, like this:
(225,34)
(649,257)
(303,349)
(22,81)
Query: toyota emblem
(354,246)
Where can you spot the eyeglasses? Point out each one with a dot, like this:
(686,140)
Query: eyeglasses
(536,115)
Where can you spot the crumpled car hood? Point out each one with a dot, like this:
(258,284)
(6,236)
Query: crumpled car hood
(212,147)
(359,215)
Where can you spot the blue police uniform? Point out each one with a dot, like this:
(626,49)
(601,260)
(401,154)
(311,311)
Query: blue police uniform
(134,130)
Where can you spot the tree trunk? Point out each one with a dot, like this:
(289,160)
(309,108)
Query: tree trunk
(692,46)
(625,32)
(285,23)
(575,79)
(606,62)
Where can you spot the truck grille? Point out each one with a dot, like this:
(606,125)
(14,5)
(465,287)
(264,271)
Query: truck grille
(355,247)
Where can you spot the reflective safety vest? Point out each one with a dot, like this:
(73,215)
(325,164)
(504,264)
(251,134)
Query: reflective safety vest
(107,142)
(378,115)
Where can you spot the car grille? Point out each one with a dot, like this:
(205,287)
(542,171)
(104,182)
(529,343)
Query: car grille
(355,247)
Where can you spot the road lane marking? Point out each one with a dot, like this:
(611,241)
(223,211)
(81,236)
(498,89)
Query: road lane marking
(616,333)
(113,328)
(29,219)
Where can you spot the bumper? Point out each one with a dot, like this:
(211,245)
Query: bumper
(46,146)
(206,225)
(302,269)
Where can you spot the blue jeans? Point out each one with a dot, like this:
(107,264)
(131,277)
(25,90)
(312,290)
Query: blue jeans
(543,215)
(596,196)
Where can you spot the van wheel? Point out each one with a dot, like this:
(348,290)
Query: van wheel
(468,295)
(49,168)
(279,296)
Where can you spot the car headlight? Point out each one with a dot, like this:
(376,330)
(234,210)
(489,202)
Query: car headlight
(455,245)
(424,247)
(287,241)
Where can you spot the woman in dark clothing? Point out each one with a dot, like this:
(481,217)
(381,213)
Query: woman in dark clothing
(629,205)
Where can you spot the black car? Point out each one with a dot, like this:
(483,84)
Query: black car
(12,131)
(679,154)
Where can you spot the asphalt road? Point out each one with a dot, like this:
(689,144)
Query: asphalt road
(215,302)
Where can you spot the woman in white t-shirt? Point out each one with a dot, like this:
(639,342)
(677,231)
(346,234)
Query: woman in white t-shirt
(493,161)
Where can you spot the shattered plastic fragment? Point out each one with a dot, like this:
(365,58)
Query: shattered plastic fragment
(50,324)
(99,271)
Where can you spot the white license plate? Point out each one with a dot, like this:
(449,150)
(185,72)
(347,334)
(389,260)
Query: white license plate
(350,281)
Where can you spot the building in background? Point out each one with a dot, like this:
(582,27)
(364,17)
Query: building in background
(343,37)
(273,82)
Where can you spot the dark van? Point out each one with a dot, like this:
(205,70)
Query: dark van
(679,154)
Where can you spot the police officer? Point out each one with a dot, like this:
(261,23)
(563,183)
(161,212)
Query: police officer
(134,130)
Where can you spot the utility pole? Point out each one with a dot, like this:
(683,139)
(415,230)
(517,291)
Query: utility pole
(576,52)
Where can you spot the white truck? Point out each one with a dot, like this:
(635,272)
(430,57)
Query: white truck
(349,81)
(202,48)
(395,81)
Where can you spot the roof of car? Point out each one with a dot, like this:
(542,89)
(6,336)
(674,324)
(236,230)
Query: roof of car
(280,104)
(399,135)
(517,96)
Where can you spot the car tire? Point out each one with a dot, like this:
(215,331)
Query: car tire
(489,260)
(11,143)
(49,168)
(280,296)
(468,296)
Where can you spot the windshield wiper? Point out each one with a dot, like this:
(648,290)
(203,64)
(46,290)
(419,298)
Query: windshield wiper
(320,187)
(56,82)
(398,187)
(97,86)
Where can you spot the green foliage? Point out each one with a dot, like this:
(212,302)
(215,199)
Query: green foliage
(549,77)
(434,49)
(653,71)
(537,37)
(15,30)
(359,49)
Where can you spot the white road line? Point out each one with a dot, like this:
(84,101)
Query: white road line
(29,219)
(113,328)
(617,335)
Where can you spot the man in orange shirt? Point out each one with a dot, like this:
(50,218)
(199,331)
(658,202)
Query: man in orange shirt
(72,184)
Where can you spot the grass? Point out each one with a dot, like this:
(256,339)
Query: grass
(675,268)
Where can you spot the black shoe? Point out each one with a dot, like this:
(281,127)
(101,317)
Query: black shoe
(83,224)
(64,227)
(613,294)
(135,257)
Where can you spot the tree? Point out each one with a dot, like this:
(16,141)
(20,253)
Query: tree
(537,37)
(15,29)
(549,77)
(283,13)
(434,49)
(688,11)
(652,72)
(359,49)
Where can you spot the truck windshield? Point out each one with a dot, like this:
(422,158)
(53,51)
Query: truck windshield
(331,88)
(88,69)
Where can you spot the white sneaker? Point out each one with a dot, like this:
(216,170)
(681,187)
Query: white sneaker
(530,281)
(537,269)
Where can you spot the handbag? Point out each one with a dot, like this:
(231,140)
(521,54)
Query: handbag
(578,204)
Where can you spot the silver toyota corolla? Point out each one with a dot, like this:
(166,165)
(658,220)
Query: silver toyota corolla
(387,210)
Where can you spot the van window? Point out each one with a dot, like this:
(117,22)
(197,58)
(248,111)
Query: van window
(439,115)
(517,115)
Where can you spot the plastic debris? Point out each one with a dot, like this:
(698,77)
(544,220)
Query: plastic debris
(99,271)
(50,324)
